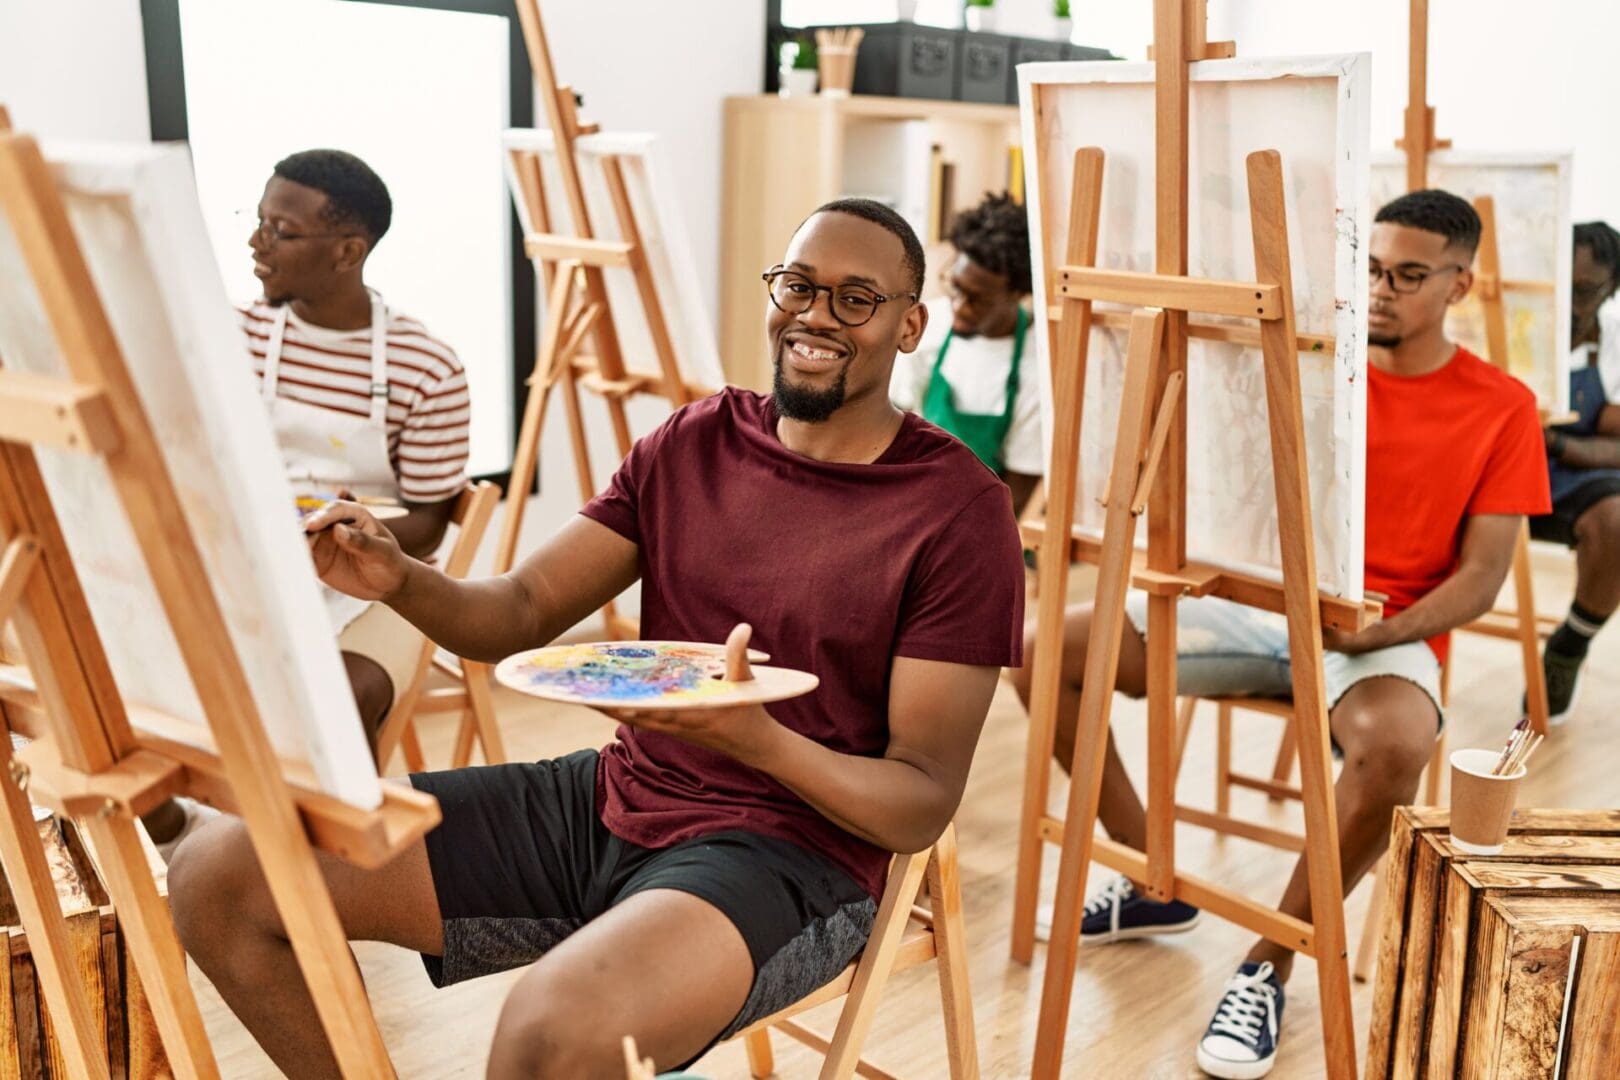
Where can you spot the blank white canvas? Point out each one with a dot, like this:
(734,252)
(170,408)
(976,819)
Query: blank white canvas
(1534,234)
(135,214)
(663,238)
(422,96)
(1312,110)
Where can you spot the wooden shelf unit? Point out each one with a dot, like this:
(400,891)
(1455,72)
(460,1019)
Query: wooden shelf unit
(784,156)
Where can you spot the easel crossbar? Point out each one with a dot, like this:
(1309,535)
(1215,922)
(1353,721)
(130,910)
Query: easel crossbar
(63,415)
(1241,299)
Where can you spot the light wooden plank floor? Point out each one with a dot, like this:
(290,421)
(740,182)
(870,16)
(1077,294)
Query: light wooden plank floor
(1138,1007)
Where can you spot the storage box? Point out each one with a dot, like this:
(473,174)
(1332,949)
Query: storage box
(986,70)
(1505,965)
(907,60)
(28,1044)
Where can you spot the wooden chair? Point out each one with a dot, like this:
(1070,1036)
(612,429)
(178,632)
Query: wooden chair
(904,935)
(471,699)
(1277,788)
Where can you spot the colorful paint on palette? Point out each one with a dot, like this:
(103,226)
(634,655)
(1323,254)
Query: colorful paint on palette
(628,673)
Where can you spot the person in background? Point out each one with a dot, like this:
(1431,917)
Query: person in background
(363,399)
(974,373)
(1583,463)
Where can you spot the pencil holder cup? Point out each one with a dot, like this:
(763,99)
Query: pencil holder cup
(837,64)
(1481,804)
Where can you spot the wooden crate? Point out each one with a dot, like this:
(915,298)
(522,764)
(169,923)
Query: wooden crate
(28,1046)
(1504,965)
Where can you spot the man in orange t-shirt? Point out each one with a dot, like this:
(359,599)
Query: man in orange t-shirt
(1454,463)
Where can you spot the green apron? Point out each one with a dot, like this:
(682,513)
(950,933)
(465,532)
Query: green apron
(982,432)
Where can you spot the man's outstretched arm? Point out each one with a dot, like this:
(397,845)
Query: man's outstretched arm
(578,570)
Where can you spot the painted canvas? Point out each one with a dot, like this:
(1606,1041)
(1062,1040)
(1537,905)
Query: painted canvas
(1534,237)
(663,236)
(1312,110)
(135,216)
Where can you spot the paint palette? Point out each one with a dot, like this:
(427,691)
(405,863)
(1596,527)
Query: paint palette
(308,504)
(646,674)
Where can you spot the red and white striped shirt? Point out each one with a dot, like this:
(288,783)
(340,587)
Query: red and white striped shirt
(427,391)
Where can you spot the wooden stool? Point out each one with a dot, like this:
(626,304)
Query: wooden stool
(473,510)
(904,935)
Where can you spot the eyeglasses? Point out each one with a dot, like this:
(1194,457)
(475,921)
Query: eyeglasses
(1586,292)
(272,233)
(851,305)
(1404,279)
(956,294)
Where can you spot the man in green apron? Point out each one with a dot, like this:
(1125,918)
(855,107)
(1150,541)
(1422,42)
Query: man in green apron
(971,375)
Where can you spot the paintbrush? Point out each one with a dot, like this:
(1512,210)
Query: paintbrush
(1512,741)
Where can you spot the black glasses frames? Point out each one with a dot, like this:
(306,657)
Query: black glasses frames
(852,305)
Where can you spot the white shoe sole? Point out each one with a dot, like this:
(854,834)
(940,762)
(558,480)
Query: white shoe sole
(1043,933)
(1235,1070)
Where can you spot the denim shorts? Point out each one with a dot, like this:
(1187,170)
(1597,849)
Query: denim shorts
(1225,649)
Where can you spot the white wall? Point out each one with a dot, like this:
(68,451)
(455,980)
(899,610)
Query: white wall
(1503,74)
(74,69)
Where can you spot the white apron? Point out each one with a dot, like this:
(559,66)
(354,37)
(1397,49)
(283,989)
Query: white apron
(325,450)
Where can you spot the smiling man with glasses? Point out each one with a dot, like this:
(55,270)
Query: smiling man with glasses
(739,851)
(1454,463)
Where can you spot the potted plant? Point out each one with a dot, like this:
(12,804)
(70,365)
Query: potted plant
(796,72)
(980,14)
(1062,23)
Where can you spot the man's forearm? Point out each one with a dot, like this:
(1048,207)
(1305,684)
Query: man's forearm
(1590,452)
(1457,601)
(487,619)
(891,803)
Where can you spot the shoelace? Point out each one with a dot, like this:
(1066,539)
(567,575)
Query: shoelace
(1249,1000)
(1114,894)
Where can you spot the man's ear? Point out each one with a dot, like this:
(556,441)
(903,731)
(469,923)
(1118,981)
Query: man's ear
(351,252)
(912,325)
(1461,287)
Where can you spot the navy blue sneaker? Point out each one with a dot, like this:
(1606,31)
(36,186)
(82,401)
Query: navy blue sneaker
(1118,913)
(1241,1041)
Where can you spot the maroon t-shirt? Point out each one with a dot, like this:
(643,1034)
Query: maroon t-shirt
(838,568)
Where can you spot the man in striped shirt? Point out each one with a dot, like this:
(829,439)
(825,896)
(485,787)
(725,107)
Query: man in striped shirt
(363,399)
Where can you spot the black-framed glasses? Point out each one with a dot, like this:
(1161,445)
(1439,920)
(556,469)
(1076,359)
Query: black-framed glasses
(1405,278)
(851,305)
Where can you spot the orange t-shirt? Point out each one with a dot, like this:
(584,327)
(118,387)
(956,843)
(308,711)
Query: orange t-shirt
(1442,447)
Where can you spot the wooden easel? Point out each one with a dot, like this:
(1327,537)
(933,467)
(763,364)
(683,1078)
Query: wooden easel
(1521,625)
(576,306)
(1149,475)
(88,761)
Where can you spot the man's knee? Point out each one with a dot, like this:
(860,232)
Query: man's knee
(1385,749)
(1600,524)
(540,1034)
(216,888)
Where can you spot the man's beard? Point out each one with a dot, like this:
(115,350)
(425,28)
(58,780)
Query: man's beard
(808,405)
(1384,341)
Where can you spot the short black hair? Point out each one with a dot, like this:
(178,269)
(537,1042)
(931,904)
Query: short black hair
(1436,211)
(355,195)
(995,234)
(1604,243)
(886,216)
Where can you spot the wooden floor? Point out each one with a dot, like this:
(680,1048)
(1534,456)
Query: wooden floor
(1138,1007)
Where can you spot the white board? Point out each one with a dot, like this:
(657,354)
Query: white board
(1534,238)
(663,239)
(1313,111)
(135,214)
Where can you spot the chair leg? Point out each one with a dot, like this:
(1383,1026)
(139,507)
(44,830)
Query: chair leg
(1184,719)
(1282,770)
(476,676)
(461,756)
(875,966)
(950,947)
(1367,947)
(1223,758)
(1436,773)
(761,1060)
(408,742)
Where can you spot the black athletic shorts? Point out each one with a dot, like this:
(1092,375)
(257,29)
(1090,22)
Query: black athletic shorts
(1559,526)
(521,860)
